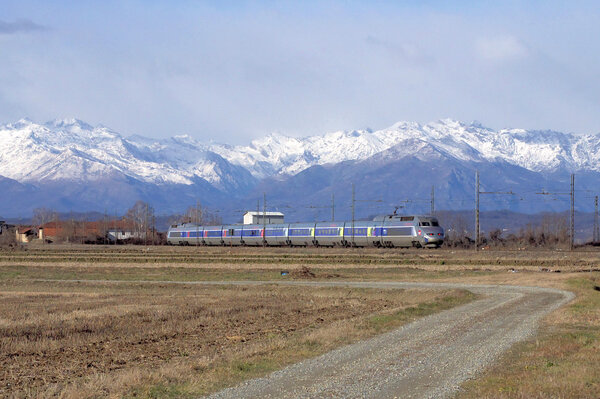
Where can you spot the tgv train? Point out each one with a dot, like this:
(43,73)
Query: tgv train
(382,231)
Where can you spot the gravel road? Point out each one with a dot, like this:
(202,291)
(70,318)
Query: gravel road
(428,358)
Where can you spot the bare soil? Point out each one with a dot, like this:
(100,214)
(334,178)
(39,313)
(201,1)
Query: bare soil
(86,340)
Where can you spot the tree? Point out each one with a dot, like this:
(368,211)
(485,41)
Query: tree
(43,215)
(141,215)
(199,215)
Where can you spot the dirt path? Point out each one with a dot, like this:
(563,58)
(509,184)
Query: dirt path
(427,358)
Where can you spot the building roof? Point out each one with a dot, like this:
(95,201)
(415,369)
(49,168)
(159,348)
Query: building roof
(78,227)
(254,213)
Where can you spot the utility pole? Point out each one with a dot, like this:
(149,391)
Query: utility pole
(572,227)
(572,212)
(477,210)
(432,200)
(595,239)
(264,219)
(353,209)
(477,194)
(332,207)
(146,226)
(197,222)
(153,229)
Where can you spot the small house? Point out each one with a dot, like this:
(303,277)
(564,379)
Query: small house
(263,217)
(25,234)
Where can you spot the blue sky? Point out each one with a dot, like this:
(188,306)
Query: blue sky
(234,71)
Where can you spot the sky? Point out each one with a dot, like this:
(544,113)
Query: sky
(232,71)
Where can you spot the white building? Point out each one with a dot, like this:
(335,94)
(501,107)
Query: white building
(123,235)
(257,217)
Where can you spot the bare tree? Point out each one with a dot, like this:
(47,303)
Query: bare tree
(197,214)
(457,231)
(43,215)
(140,214)
(7,237)
(194,214)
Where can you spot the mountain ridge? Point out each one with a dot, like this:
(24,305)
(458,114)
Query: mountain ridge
(37,158)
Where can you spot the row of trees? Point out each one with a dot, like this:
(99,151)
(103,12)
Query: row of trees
(198,215)
(138,225)
(552,231)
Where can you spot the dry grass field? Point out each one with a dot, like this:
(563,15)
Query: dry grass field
(76,340)
(135,339)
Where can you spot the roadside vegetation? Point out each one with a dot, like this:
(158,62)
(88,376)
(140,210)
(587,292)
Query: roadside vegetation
(562,361)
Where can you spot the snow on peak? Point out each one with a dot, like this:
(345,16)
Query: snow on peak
(277,154)
(69,123)
(72,149)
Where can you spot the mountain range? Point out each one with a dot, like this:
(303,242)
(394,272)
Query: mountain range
(71,165)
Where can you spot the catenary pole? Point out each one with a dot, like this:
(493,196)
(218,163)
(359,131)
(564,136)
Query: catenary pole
(572,221)
(595,239)
(477,210)
(353,210)
(197,223)
(332,207)
(571,194)
(478,192)
(264,219)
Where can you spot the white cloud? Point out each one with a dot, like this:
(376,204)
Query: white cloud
(501,48)
(232,73)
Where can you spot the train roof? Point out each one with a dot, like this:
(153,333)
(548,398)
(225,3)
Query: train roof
(404,218)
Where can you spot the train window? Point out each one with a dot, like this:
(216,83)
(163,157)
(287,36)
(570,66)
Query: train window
(407,218)
(398,231)
(327,232)
(358,231)
(434,222)
(175,234)
(424,224)
(299,232)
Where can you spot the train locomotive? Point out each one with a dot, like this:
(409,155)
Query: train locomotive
(383,231)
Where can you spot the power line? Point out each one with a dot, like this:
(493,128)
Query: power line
(477,194)
(572,213)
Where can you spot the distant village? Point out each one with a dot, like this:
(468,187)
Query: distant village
(71,231)
(136,226)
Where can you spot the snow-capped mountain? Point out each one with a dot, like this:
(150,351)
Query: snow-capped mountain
(540,151)
(72,150)
(84,167)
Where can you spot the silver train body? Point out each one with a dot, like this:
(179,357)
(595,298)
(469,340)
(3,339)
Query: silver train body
(382,231)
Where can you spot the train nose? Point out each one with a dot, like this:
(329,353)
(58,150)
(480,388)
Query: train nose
(434,235)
